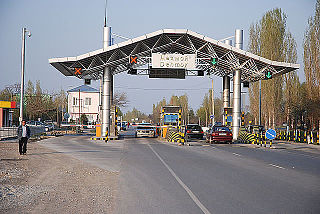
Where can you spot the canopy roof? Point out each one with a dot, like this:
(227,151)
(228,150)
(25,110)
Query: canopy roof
(180,41)
(83,88)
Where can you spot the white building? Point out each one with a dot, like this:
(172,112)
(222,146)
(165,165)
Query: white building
(83,100)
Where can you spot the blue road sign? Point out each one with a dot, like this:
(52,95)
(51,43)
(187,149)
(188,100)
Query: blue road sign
(211,116)
(229,119)
(271,134)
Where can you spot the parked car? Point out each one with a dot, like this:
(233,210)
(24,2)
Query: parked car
(194,131)
(145,131)
(219,134)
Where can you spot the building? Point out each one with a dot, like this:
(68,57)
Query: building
(6,110)
(83,100)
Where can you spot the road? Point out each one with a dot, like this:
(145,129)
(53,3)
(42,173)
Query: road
(160,177)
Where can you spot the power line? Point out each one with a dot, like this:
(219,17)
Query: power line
(164,89)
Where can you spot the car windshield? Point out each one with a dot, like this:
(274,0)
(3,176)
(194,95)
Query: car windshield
(144,127)
(194,127)
(221,129)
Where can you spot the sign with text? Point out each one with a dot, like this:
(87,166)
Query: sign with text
(174,61)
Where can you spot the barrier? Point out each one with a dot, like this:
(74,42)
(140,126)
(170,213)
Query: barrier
(245,137)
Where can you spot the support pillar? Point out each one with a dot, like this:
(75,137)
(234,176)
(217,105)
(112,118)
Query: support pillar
(226,88)
(106,101)
(106,85)
(236,111)
(226,94)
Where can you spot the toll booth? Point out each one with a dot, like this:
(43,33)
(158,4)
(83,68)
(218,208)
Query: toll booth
(170,117)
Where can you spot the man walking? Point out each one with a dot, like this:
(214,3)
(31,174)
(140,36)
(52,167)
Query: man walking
(23,136)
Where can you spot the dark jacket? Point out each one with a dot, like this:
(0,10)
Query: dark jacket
(19,132)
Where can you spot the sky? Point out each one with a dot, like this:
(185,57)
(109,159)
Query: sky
(63,28)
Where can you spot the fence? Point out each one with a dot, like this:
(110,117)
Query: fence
(299,136)
(11,132)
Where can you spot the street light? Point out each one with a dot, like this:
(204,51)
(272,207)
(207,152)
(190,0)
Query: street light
(24,31)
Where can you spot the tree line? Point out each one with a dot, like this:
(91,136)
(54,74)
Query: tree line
(285,99)
(38,103)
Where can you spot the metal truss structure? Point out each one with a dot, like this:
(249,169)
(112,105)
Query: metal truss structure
(117,56)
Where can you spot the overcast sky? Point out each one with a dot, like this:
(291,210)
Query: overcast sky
(63,28)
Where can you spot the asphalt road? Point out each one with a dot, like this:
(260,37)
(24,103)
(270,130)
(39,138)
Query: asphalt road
(158,177)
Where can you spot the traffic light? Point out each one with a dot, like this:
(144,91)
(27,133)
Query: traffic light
(242,119)
(200,73)
(133,60)
(268,74)
(214,61)
(246,84)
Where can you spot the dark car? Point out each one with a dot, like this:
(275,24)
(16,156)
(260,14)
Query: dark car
(219,134)
(194,131)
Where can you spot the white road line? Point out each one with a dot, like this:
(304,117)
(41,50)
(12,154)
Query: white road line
(185,187)
(280,167)
(236,154)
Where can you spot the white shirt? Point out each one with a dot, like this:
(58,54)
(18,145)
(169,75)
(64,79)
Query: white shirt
(24,131)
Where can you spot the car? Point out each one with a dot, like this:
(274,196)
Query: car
(145,131)
(194,131)
(219,134)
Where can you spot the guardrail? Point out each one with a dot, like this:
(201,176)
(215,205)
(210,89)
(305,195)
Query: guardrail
(11,132)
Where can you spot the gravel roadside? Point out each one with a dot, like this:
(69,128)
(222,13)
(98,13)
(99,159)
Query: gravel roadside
(46,181)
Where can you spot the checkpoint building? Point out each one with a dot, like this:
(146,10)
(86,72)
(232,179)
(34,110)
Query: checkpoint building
(83,100)
(172,53)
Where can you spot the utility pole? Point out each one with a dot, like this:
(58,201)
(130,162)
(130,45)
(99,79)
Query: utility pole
(212,97)
(259,102)
(24,30)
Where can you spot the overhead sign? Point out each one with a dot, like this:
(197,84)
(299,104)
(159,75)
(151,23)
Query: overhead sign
(174,61)
(271,134)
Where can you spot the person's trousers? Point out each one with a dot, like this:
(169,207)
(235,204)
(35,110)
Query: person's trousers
(23,145)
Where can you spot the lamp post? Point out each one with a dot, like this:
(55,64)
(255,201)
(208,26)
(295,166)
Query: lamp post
(24,31)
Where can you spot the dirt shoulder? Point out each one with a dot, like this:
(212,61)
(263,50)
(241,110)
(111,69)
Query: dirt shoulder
(46,181)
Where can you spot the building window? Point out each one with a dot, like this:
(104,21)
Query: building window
(75,101)
(88,101)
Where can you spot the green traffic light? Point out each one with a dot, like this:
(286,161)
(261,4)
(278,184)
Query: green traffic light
(214,61)
(268,74)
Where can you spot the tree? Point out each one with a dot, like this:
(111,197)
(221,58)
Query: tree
(84,119)
(271,39)
(311,58)
(135,113)
(120,99)
(205,109)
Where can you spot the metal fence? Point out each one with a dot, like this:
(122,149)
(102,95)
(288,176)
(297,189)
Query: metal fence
(11,132)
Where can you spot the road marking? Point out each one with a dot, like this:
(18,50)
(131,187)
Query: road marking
(185,187)
(280,167)
(236,154)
